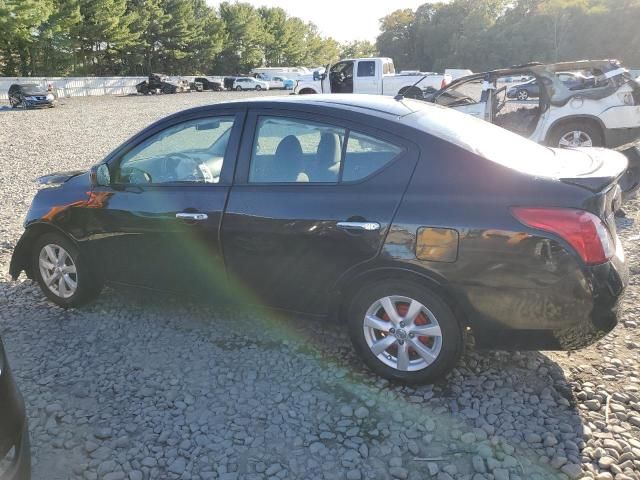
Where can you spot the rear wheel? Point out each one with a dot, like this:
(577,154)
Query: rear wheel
(576,134)
(404,332)
(61,273)
(522,95)
(258,88)
(412,92)
(238,88)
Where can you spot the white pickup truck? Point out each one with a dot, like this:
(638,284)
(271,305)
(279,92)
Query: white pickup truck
(375,76)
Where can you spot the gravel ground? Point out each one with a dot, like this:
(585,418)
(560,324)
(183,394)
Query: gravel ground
(138,386)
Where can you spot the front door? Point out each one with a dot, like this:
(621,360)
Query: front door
(159,223)
(313,197)
(469,97)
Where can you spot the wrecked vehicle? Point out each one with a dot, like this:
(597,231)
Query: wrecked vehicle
(599,106)
(606,113)
(157,83)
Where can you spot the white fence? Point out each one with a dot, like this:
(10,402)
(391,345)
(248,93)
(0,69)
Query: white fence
(77,86)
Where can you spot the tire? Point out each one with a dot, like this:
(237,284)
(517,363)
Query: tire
(258,88)
(238,88)
(49,247)
(443,351)
(412,92)
(576,134)
(522,95)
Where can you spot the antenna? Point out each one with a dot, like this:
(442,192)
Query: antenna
(400,96)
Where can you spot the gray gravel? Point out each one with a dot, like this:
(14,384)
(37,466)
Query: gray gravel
(138,386)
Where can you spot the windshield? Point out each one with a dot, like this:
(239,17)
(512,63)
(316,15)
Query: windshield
(489,141)
(32,88)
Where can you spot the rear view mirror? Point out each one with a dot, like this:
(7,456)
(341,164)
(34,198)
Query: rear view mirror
(100,176)
(212,125)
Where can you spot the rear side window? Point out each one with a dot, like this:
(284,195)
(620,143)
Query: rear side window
(366,155)
(367,69)
(290,150)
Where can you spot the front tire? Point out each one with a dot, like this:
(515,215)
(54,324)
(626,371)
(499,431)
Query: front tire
(404,332)
(522,95)
(64,277)
(258,88)
(238,88)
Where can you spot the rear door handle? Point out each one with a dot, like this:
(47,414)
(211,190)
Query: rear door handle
(191,216)
(360,226)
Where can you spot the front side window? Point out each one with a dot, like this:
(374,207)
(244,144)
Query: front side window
(288,150)
(192,151)
(367,69)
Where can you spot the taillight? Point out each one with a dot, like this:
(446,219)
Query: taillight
(583,230)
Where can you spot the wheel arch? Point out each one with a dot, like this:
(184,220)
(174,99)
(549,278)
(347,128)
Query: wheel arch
(22,251)
(350,285)
(590,119)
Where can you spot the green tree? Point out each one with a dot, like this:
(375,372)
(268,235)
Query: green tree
(245,38)
(358,48)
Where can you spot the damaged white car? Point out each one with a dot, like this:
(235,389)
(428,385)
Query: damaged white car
(601,112)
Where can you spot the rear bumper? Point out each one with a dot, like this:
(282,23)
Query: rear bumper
(579,319)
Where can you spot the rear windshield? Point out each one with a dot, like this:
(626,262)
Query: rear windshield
(485,139)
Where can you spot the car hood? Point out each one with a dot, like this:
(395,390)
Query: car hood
(58,178)
(591,168)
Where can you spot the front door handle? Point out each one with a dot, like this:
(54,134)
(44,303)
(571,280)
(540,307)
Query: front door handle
(361,226)
(191,216)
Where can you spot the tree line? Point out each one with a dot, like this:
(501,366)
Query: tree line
(487,34)
(137,37)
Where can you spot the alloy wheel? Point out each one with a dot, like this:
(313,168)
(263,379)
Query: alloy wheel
(523,95)
(58,270)
(402,333)
(575,138)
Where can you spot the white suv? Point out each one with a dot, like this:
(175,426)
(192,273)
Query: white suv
(602,110)
(249,83)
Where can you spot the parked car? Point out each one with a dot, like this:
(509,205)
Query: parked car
(279,83)
(605,115)
(531,89)
(375,76)
(157,83)
(15,451)
(409,221)
(207,84)
(29,95)
(249,83)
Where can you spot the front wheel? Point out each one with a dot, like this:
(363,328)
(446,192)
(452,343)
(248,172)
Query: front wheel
(258,88)
(404,332)
(64,277)
(522,95)
(238,88)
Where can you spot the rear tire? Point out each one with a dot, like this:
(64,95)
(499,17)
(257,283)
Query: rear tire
(412,92)
(64,277)
(576,134)
(238,88)
(258,88)
(428,357)
(522,95)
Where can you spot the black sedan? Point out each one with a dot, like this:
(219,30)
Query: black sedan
(208,85)
(29,95)
(15,452)
(412,223)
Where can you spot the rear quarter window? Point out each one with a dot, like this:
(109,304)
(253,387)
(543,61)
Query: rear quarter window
(366,155)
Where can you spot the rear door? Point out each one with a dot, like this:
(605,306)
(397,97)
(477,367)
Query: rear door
(367,78)
(313,197)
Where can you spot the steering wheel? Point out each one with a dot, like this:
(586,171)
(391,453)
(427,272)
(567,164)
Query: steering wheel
(178,160)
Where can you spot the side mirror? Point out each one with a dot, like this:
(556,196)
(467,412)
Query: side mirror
(100,176)
(323,76)
(316,75)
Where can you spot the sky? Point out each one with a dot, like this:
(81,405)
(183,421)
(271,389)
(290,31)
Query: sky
(344,20)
